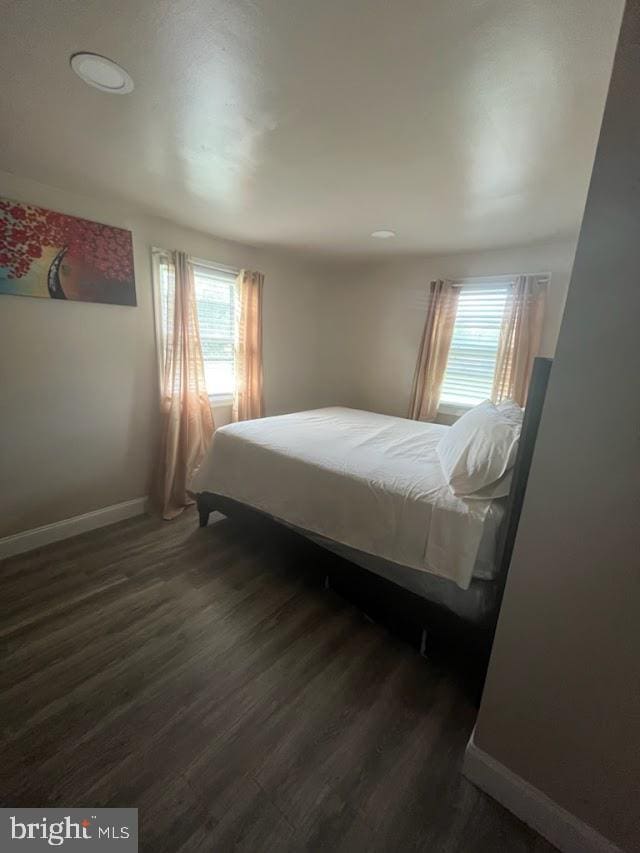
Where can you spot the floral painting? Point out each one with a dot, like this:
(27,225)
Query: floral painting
(52,255)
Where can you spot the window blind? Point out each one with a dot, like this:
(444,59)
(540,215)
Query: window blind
(215,291)
(471,365)
(216,302)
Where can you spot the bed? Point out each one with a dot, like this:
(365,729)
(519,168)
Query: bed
(370,488)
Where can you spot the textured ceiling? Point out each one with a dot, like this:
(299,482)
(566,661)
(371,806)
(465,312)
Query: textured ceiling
(460,124)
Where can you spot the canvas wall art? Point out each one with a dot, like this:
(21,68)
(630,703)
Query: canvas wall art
(55,256)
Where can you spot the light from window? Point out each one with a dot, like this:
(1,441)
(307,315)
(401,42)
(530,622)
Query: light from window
(468,378)
(216,304)
(216,301)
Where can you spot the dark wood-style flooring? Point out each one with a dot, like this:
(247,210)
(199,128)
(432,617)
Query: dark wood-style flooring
(206,678)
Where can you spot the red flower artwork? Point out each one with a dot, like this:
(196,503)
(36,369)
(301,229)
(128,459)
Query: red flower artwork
(98,257)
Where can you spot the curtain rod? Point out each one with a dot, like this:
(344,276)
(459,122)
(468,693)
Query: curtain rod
(498,279)
(201,262)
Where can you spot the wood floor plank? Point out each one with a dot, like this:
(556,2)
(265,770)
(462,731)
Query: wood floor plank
(206,678)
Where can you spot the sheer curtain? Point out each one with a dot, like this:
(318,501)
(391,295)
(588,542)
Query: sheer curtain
(520,338)
(186,418)
(248,401)
(434,351)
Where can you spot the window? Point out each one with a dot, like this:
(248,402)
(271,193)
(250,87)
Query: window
(216,302)
(468,378)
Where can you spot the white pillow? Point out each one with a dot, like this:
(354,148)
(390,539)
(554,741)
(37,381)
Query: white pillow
(499,489)
(511,410)
(478,449)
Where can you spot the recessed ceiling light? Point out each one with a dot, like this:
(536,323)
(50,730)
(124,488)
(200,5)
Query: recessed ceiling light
(102,73)
(383,234)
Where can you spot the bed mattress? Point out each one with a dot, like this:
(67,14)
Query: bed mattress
(366,481)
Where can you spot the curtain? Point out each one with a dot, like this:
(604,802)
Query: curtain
(520,338)
(186,417)
(434,351)
(248,399)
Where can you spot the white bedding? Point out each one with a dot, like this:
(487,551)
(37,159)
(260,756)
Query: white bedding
(368,481)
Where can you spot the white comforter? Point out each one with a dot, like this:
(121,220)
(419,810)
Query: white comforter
(365,480)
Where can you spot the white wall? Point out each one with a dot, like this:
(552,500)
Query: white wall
(374,317)
(561,707)
(79,380)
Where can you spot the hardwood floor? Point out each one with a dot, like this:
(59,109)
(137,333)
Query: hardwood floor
(206,678)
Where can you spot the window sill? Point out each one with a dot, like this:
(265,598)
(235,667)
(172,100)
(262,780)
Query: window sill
(219,401)
(452,409)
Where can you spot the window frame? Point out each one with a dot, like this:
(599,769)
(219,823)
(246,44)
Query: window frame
(224,399)
(157,256)
(455,409)
(479,282)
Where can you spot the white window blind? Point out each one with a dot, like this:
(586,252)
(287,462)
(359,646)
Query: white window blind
(471,365)
(216,303)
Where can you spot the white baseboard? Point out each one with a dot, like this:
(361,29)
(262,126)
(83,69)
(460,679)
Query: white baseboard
(38,536)
(560,827)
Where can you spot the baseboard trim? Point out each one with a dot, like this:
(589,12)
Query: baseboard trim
(567,832)
(19,543)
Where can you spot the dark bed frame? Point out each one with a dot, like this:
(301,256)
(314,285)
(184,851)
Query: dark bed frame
(404,612)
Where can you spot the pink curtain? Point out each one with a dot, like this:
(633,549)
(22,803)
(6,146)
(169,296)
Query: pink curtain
(434,351)
(520,338)
(186,417)
(248,400)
